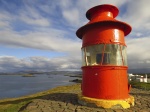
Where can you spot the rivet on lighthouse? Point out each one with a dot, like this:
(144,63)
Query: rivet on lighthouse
(104,59)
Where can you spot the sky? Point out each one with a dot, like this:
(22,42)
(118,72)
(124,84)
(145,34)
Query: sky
(39,35)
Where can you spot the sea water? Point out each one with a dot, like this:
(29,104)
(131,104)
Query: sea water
(16,85)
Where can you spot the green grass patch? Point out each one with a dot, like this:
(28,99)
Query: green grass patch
(13,106)
(140,85)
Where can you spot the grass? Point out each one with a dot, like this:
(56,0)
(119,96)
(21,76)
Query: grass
(15,104)
(140,85)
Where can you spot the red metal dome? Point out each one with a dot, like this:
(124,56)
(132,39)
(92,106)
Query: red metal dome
(102,15)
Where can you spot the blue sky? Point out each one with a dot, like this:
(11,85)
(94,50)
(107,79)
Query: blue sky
(40,34)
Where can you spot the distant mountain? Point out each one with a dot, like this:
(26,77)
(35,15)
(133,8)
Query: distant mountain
(42,72)
(134,71)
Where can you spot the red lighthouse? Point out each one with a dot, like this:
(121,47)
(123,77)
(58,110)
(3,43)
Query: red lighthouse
(104,59)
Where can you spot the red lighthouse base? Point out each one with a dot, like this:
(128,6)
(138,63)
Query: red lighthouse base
(101,89)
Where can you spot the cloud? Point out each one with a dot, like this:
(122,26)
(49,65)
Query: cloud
(5,20)
(137,14)
(138,52)
(35,21)
(31,16)
(90,3)
(51,26)
(54,40)
(72,16)
(40,36)
(24,12)
(3,24)
(74,12)
(139,46)
(13,64)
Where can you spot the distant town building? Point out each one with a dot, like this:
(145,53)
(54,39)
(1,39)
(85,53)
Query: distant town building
(138,78)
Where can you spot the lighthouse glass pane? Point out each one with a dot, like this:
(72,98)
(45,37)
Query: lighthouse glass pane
(114,52)
(123,48)
(89,55)
(105,56)
(83,58)
(117,55)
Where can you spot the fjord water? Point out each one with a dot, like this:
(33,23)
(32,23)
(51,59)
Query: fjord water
(15,85)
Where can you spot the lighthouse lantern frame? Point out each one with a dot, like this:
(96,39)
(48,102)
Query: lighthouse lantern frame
(104,54)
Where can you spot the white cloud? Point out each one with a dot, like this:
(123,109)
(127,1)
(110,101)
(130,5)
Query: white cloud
(66,4)
(91,3)
(13,64)
(45,34)
(139,47)
(54,40)
(3,24)
(72,16)
(74,11)
(5,20)
(35,21)
(138,52)
(138,15)
(31,16)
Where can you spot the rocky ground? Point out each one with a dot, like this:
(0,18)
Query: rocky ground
(67,102)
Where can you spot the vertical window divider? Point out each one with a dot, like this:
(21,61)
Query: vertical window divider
(103,53)
(85,56)
(121,55)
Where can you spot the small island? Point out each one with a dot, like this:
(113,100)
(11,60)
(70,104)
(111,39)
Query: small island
(28,75)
